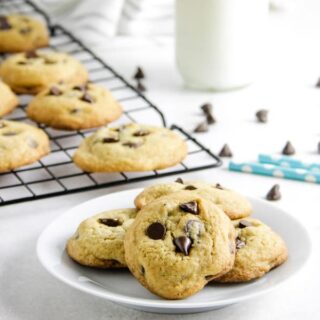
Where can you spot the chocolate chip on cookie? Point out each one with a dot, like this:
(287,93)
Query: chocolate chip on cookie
(55,91)
(132,145)
(31,54)
(25,30)
(190,187)
(141,133)
(80,87)
(156,231)
(190,207)
(87,98)
(218,186)
(183,244)
(9,134)
(179,180)
(4,23)
(244,224)
(110,222)
(110,140)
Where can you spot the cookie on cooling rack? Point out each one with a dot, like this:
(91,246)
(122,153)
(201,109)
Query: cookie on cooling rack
(178,243)
(21,33)
(74,107)
(20,144)
(9,101)
(98,241)
(131,147)
(232,203)
(32,72)
(258,250)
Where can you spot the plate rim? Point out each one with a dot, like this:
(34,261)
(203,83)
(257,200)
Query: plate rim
(165,304)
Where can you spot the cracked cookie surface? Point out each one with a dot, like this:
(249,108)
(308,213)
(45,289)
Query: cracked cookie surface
(74,107)
(131,147)
(98,241)
(178,243)
(20,144)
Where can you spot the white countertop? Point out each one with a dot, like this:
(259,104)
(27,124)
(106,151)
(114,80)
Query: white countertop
(286,87)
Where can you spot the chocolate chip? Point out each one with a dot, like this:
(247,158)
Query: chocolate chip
(22,63)
(206,108)
(80,87)
(132,145)
(55,91)
(183,244)
(49,61)
(110,222)
(218,186)
(87,98)
(179,180)
(142,270)
(244,224)
(33,143)
(25,30)
(156,231)
(288,149)
(210,119)
(239,243)
(139,74)
(274,193)
(9,134)
(225,152)
(140,87)
(74,111)
(190,207)
(141,133)
(110,139)
(190,188)
(4,23)
(201,127)
(262,115)
(31,54)
(193,228)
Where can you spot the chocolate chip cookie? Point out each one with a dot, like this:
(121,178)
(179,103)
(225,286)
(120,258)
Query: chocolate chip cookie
(20,144)
(32,72)
(9,101)
(21,33)
(178,243)
(232,203)
(98,241)
(131,147)
(258,250)
(74,107)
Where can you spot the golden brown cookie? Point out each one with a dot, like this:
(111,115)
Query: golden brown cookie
(21,33)
(74,107)
(232,203)
(9,100)
(178,243)
(32,72)
(20,144)
(132,147)
(98,241)
(259,249)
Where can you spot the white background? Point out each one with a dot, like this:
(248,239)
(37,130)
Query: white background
(289,70)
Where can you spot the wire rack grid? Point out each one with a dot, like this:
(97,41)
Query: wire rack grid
(56,173)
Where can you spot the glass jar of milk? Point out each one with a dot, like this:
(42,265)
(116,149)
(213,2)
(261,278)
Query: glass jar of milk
(219,43)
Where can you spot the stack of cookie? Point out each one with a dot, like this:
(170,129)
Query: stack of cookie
(64,99)
(181,236)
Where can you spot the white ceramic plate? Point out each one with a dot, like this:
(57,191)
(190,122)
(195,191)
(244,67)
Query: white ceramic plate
(121,287)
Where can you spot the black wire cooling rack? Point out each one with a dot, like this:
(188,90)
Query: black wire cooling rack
(56,174)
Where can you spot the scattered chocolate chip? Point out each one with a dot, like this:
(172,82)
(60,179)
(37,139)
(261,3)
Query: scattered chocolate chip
(33,143)
(110,139)
(140,87)
(141,133)
(201,127)
(156,231)
(183,244)
(318,83)
(9,134)
(132,145)
(179,180)
(139,74)
(190,188)
(225,152)
(55,91)
(25,30)
(262,116)
(110,222)
(31,54)
(206,108)
(288,149)
(4,23)
(210,119)
(219,186)
(191,207)
(244,224)
(80,88)
(274,193)
(87,98)
(193,228)
(239,243)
